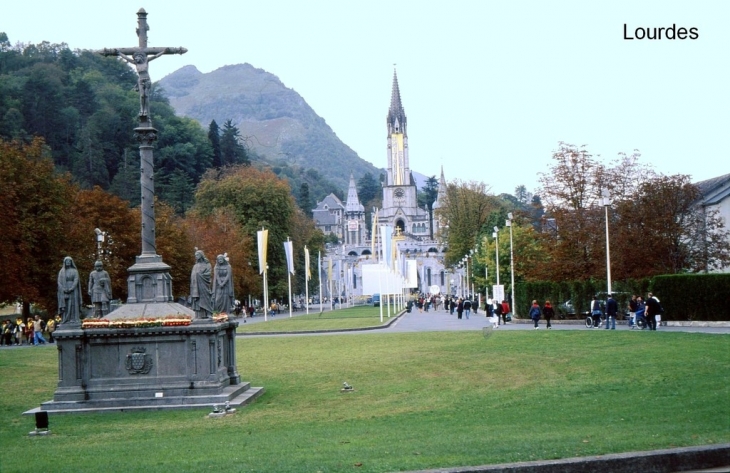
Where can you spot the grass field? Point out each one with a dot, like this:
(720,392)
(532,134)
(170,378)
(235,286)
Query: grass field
(342,319)
(421,400)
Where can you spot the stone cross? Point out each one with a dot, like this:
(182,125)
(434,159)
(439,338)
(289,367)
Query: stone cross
(140,57)
(149,279)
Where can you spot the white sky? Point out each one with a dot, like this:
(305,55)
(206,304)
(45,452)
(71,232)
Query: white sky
(489,87)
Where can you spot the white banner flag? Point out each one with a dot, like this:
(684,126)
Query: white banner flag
(263,238)
(289,250)
(307,270)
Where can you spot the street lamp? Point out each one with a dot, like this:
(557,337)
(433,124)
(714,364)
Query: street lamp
(496,250)
(511,263)
(471,255)
(605,200)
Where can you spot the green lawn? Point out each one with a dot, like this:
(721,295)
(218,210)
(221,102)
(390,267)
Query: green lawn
(341,319)
(421,400)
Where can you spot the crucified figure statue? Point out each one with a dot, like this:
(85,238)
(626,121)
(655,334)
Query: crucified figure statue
(140,58)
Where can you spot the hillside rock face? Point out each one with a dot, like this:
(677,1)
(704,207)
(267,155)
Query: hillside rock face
(275,121)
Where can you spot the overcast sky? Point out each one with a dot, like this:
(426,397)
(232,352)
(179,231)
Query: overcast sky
(489,87)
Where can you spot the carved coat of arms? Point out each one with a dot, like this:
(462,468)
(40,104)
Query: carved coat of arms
(138,361)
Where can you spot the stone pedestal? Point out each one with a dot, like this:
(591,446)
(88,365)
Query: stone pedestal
(113,369)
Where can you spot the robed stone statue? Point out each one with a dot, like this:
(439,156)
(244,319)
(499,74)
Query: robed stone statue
(200,294)
(223,299)
(69,292)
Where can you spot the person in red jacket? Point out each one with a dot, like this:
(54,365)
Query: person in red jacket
(505,311)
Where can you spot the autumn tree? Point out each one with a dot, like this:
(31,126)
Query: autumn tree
(258,199)
(219,233)
(466,208)
(661,229)
(570,192)
(95,208)
(35,218)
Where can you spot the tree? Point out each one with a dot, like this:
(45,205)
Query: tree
(96,208)
(427,197)
(304,200)
(367,188)
(35,217)
(466,208)
(232,151)
(214,136)
(571,190)
(219,233)
(258,199)
(661,229)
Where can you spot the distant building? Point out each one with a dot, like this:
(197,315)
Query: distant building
(716,197)
(329,216)
(412,224)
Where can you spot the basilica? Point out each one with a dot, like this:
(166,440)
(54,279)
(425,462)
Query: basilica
(417,235)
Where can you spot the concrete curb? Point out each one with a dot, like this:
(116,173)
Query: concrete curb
(655,461)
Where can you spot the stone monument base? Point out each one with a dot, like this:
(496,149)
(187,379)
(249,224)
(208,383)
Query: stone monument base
(147,368)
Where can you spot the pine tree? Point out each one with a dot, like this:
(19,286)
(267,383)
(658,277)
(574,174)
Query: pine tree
(214,136)
(232,151)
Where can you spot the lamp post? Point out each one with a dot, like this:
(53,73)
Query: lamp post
(606,202)
(511,263)
(471,255)
(496,250)
(466,261)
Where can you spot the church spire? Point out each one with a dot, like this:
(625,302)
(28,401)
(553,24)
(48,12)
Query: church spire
(396,113)
(353,204)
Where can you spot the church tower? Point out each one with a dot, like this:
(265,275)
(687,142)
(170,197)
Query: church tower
(400,199)
(354,217)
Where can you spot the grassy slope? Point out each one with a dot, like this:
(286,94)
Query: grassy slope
(423,400)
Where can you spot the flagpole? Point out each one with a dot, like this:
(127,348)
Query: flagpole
(319,266)
(329,284)
(289,266)
(307,277)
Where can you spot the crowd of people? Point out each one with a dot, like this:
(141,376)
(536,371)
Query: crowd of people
(32,331)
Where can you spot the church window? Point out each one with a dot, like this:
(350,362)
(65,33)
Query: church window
(442,278)
(428,275)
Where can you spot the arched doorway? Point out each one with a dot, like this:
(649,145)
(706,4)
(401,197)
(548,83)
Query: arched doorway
(401,225)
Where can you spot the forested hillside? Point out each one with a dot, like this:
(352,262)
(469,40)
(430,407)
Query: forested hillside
(85,108)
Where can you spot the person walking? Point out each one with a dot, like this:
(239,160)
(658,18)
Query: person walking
(535,312)
(505,311)
(19,330)
(38,331)
(50,328)
(498,311)
(548,312)
(633,309)
(611,311)
(460,307)
(467,308)
(652,309)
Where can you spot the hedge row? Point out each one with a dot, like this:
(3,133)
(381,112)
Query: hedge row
(683,296)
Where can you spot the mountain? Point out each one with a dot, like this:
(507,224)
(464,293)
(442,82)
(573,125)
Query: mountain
(275,121)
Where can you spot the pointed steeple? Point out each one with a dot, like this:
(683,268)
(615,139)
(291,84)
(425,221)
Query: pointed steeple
(396,113)
(353,204)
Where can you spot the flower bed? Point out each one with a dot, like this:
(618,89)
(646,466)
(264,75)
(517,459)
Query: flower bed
(222,317)
(141,322)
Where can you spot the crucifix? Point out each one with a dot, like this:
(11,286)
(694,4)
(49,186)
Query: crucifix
(149,279)
(140,58)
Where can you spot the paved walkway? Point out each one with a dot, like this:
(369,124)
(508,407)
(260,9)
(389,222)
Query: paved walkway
(435,321)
